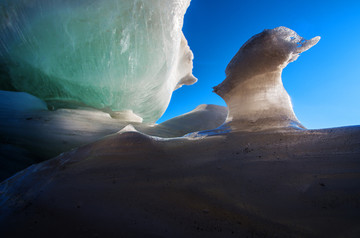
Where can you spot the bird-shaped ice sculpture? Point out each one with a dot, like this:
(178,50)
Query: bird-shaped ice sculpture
(253,88)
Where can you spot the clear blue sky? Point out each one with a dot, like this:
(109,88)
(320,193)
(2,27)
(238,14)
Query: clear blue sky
(324,83)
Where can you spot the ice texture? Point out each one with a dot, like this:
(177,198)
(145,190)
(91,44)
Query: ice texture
(253,88)
(113,55)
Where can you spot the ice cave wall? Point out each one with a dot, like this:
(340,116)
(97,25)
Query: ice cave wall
(112,55)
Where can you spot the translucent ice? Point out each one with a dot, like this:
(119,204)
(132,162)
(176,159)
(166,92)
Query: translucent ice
(113,55)
(253,88)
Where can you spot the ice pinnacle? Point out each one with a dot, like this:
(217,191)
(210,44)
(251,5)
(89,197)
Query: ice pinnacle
(253,88)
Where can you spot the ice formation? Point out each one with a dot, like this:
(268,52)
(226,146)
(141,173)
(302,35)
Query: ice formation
(203,117)
(113,55)
(253,88)
(30,133)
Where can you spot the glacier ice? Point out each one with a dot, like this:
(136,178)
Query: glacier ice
(114,55)
(253,91)
(203,117)
(253,88)
(30,133)
(149,183)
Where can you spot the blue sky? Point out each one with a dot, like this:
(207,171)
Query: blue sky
(324,83)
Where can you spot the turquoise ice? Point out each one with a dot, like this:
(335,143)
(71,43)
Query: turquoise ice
(112,55)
